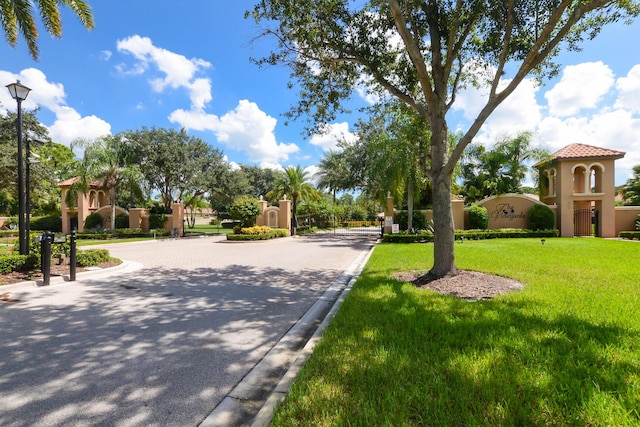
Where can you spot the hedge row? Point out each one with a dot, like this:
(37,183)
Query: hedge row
(250,233)
(471,235)
(633,235)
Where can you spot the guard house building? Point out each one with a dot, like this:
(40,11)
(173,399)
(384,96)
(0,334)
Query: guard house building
(580,181)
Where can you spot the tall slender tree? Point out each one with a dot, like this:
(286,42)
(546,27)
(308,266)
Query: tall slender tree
(333,173)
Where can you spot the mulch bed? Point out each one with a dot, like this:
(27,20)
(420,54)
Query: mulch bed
(467,284)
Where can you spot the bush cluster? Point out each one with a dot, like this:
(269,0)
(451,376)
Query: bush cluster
(47,223)
(93,220)
(478,217)
(419,220)
(122,220)
(157,220)
(245,209)
(12,262)
(91,257)
(252,233)
(541,217)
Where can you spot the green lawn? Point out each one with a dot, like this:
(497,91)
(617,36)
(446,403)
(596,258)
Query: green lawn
(564,351)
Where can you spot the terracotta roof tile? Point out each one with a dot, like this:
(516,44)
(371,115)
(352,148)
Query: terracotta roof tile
(580,151)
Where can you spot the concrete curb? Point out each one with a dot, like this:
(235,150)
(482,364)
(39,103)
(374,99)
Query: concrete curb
(269,381)
(123,267)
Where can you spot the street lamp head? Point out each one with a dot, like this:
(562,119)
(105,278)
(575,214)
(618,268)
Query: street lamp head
(18,91)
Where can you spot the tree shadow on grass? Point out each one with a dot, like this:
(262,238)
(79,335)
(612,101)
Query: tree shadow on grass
(396,355)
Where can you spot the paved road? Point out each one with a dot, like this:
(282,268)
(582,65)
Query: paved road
(164,344)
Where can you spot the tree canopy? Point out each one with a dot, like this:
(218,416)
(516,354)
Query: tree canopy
(423,53)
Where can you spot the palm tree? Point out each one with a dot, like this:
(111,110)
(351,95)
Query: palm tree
(294,182)
(17,17)
(333,173)
(104,160)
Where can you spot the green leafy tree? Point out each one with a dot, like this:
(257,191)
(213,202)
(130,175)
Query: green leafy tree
(259,180)
(17,18)
(423,53)
(631,190)
(294,183)
(181,168)
(246,209)
(44,195)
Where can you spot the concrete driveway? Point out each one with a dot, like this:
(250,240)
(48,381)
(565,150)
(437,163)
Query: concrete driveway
(164,339)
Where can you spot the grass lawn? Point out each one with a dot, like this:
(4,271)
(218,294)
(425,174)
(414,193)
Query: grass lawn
(564,351)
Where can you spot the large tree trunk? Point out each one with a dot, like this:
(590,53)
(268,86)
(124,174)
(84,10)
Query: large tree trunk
(112,196)
(410,204)
(441,176)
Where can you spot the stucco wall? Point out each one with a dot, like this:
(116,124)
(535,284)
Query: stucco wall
(626,217)
(508,211)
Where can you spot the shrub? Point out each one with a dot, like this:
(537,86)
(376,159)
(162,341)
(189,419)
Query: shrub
(541,217)
(129,232)
(15,262)
(157,220)
(419,220)
(253,234)
(246,209)
(91,257)
(478,217)
(93,221)
(122,220)
(256,229)
(11,262)
(50,223)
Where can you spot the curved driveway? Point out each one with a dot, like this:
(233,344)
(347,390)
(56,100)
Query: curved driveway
(164,344)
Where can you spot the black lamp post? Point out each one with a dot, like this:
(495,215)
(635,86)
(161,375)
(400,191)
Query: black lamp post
(20,92)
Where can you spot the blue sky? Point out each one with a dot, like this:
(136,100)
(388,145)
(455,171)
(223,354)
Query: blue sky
(153,63)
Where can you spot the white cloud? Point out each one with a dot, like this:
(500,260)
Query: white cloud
(629,90)
(567,113)
(68,124)
(581,87)
(176,71)
(331,135)
(246,128)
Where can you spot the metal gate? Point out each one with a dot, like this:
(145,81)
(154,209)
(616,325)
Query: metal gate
(585,221)
(351,229)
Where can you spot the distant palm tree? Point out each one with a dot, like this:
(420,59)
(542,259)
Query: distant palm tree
(104,160)
(17,17)
(333,173)
(294,183)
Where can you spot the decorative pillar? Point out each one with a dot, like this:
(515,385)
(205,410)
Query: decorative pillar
(388,213)
(262,219)
(177,218)
(284,215)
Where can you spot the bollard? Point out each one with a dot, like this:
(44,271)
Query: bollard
(72,256)
(45,257)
